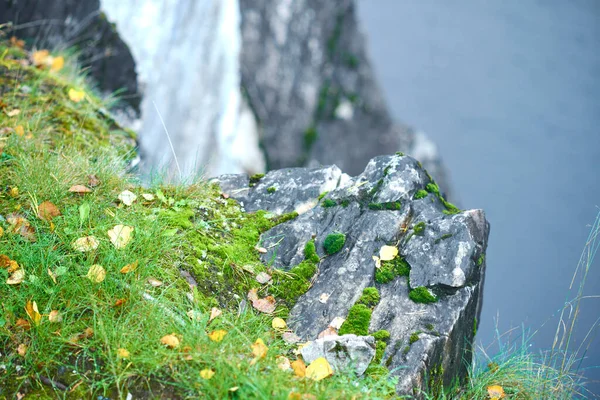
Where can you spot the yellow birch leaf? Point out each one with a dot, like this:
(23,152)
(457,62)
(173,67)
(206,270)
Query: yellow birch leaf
(86,243)
(32,311)
(57,64)
(96,273)
(495,392)
(13,113)
(148,196)
(126,197)
(259,349)
(16,277)
(123,353)
(19,130)
(214,313)
(54,316)
(129,267)
(377,262)
(217,336)
(319,369)
(171,341)
(120,235)
(22,349)
(283,363)
(278,324)
(39,57)
(207,373)
(154,282)
(388,253)
(299,368)
(52,275)
(1,231)
(76,95)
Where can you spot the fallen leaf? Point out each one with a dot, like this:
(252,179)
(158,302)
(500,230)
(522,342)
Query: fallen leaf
(290,338)
(16,278)
(259,349)
(278,324)
(52,275)
(96,273)
(80,189)
(388,253)
(283,363)
(154,282)
(17,42)
(76,95)
(148,196)
(129,267)
(214,313)
(87,333)
(19,130)
(54,316)
(22,349)
(126,197)
(32,311)
(194,315)
(86,243)
(207,373)
(261,250)
(1,231)
(22,323)
(171,341)
(337,322)
(319,369)
(47,211)
(329,331)
(39,57)
(299,368)
(377,262)
(496,392)
(233,389)
(123,353)
(224,195)
(120,235)
(252,295)
(263,278)
(14,112)
(217,336)
(57,64)
(266,305)
(324,297)
(93,180)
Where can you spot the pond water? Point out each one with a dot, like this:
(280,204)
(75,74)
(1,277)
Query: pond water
(510,91)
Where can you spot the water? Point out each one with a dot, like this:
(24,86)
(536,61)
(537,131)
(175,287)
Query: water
(510,91)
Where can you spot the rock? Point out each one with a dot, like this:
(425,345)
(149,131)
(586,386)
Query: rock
(392,202)
(347,352)
(79,24)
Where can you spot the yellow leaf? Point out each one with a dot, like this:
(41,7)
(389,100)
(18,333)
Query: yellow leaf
(40,57)
(76,95)
(86,243)
(154,282)
(52,275)
(123,353)
(388,253)
(32,311)
(19,130)
(47,211)
(16,278)
(54,316)
(13,192)
(299,368)
(496,392)
(148,196)
(120,235)
(319,369)
(377,262)
(57,64)
(129,267)
(214,313)
(22,349)
(126,197)
(13,113)
(96,273)
(283,363)
(79,189)
(207,373)
(217,336)
(278,323)
(171,341)
(259,349)
(1,231)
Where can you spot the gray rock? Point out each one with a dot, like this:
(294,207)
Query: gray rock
(446,257)
(344,353)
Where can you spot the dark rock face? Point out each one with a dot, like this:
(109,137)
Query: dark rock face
(445,251)
(308,79)
(79,24)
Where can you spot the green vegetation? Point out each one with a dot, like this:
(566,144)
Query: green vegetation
(381,335)
(419,229)
(357,322)
(254,179)
(271,189)
(420,194)
(322,195)
(310,252)
(443,237)
(480,260)
(414,337)
(370,297)
(334,242)
(450,208)
(389,270)
(310,137)
(394,205)
(329,203)
(422,295)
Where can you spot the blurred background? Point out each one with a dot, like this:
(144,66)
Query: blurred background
(510,92)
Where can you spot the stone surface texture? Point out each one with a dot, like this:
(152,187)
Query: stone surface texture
(346,352)
(447,257)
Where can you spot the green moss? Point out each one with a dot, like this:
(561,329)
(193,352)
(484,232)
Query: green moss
(422,295)
(399,153)
(480,260)
(376,372)
(334,242)
(375,206)
(405,350)
(475,326)
(413,337)
(295,283)
(380,347)
(386,170)
(370,297)
(358,320)
(310,252)
(329,203)
(420,194)
(429,327)
(271,189)
(419,229)
(285,217)
(345,203)
(322,195)
(375,188)
(433,188)
(351,60)
(254,179)
(389,270)
(393,205)
(310,137)
(381,335)
(443,237)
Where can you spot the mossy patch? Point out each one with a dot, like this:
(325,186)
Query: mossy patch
(334,242)
(393,205)
(382,335)
(419,229)
(370,297)
(357,322)
(481,260)
(389,270)
(254,179)
(420,194)
(327,203)
(310,252)
(413,337)
(422,295)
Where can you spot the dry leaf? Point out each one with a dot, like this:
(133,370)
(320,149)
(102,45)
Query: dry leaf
(496,392)
(123,353)
(261,250)
(16,278)
(17,42)
(76,95)
(96,273)
(388,253)
(86,243)
(299,368)
(14,112)
(32,311)
(120,302)
(120,235)
(171,341)
(19,130)
(129,267)
(252,295)
(283,363)
(319,369)
(22,349)
(207,373)
(259,349)
(263,277)
(52,275)
(154,282)
(57,64)
(39,57)
(278,324)
(21,323)
(80,189)
(126,197)
(54,316)
(217,336)
(47,211)
(290,337)
(377,262)
(324,297)
(148,196)
(266,305)
(214,313)
(329,331)
(93,180)
(233,389)
(337,322)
